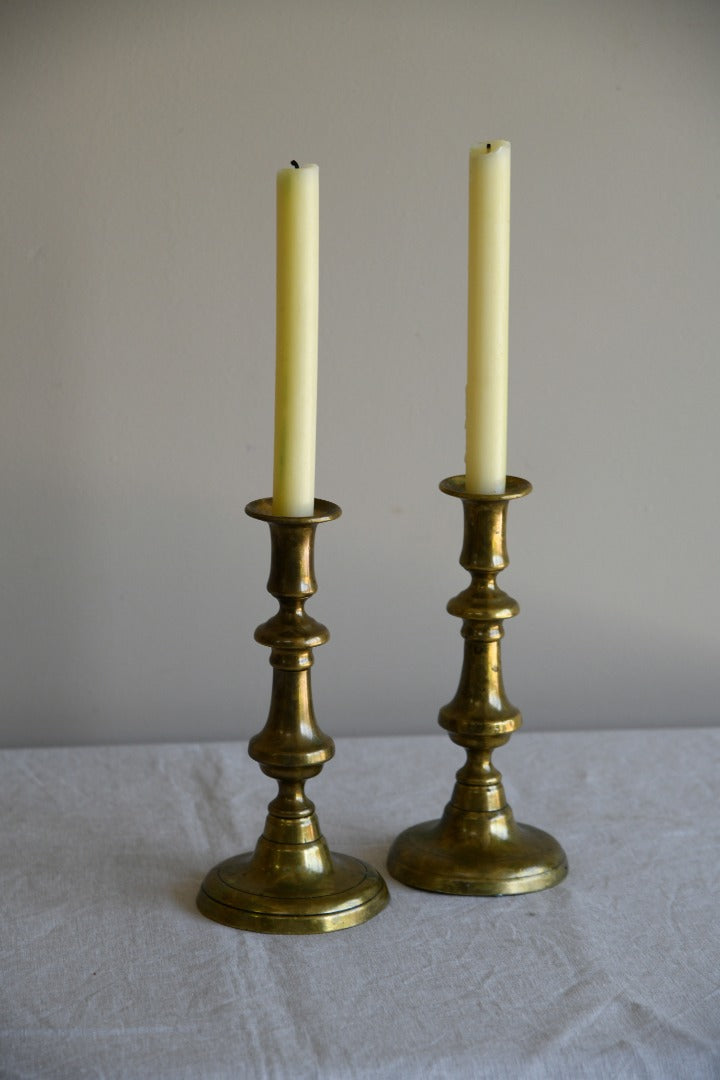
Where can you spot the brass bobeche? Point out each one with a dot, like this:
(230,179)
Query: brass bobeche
(292,883)
(477,847)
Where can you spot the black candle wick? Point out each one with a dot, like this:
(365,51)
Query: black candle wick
(294,164)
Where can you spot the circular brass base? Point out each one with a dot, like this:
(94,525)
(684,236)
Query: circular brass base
(349,894)
(520,859)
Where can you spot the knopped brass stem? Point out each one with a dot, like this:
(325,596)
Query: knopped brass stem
(477,847)
(292,883)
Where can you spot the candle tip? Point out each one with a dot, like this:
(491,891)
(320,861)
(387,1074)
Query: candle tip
(488,146)
(294,164)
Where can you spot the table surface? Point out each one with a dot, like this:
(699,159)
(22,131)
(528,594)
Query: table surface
(110,971)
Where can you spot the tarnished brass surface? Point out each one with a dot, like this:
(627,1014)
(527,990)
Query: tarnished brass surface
(477,847)
(292,883)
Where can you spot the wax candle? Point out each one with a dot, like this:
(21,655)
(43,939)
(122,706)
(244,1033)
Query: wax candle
(296,340)
(488,293)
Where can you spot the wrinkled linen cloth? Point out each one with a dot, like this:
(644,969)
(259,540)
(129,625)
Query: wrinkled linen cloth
(108,970)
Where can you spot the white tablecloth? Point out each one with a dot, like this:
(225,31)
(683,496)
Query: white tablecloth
(109,971)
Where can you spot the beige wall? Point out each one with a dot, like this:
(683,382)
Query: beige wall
(139,148)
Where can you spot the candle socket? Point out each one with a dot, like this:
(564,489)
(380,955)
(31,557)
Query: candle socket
(477,848)
(292,883)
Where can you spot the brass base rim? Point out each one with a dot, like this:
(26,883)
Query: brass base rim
(349,895)
(527,860)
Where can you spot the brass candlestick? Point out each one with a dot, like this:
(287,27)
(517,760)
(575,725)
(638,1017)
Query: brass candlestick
(477,847)
(292,883)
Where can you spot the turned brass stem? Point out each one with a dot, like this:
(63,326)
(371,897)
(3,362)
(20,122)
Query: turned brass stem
(292,883)
(477,847)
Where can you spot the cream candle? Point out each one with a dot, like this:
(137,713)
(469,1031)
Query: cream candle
(488,295)
(296,340)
